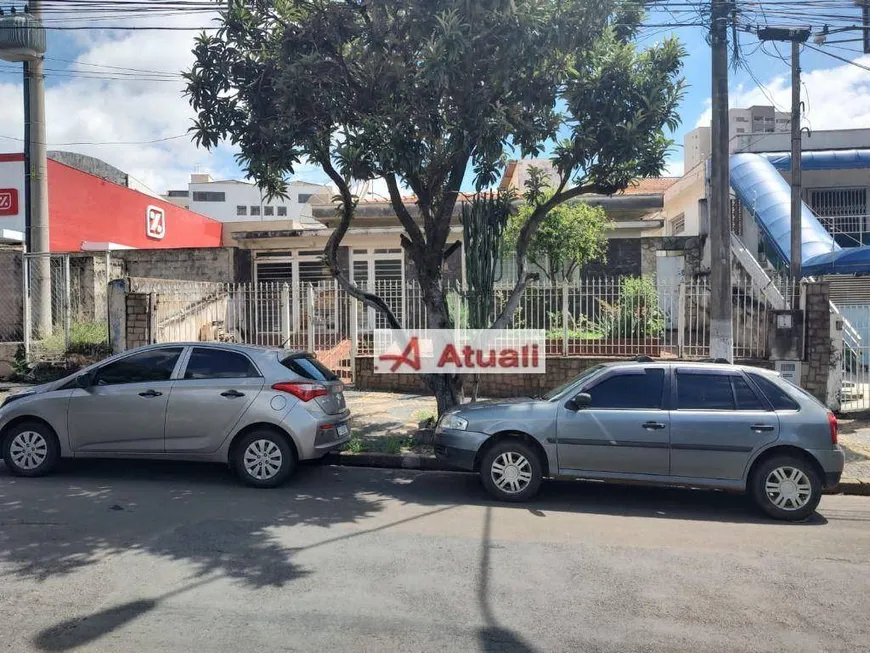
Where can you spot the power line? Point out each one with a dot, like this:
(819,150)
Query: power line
(151,142)
(838,57)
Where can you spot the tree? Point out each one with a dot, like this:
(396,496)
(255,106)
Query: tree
(422,92)
(570,236)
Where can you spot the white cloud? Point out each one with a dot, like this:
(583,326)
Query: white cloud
(131,107)
(834,98)
(673,168)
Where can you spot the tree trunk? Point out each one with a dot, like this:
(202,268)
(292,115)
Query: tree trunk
(447,390)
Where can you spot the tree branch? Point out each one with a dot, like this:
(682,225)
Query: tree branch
(405,218)
(452,248)
(525,238)
(331,250)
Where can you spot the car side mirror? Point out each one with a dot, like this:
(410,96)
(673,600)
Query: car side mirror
(580,402)
(84,381)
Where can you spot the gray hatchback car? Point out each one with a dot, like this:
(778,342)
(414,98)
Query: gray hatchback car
(696,425)
(259,409)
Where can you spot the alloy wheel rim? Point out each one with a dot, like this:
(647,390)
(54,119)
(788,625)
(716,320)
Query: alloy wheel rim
(28,450)
(511,472)
(263,459)
(788,488)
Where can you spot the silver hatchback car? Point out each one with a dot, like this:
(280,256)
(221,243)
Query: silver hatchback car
(696,425)
(259,409)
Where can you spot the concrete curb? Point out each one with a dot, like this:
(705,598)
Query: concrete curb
(850,486)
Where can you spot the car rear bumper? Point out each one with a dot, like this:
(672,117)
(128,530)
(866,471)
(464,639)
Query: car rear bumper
(832,462)
(459,448)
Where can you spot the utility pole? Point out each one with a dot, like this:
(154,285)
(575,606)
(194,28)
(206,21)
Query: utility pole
(38,211)
(721,326)
(796,36)
(796,231)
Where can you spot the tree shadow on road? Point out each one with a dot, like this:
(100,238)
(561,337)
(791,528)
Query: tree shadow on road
(197,514)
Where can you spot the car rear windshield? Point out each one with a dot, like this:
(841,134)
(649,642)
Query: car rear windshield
(778,397)
(309,368)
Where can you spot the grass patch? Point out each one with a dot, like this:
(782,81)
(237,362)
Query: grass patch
(355,445)
(423,414)
(388,444)
(84,338)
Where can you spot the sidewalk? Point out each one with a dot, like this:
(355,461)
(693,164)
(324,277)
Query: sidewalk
(855,440)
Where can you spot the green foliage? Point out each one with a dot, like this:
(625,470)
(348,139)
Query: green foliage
(87,338)
(636,314)
(356,444)
(420,89)
(20,367)
(569,237)
(579,327)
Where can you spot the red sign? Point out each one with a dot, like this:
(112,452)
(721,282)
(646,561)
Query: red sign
(8,201)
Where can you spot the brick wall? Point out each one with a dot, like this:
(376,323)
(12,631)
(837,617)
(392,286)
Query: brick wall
(197,264)
(139,326)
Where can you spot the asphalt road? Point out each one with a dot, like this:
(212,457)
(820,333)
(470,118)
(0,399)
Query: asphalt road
(118,557)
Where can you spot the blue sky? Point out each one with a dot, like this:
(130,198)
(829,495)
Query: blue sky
(95,96)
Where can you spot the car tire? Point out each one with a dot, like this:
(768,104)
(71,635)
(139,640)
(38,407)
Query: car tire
(30,449)
(511,471)
(786,488)
(264,459)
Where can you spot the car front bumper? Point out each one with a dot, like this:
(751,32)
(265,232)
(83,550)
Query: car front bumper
(459,448)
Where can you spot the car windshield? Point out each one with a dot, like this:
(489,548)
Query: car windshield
(558,391)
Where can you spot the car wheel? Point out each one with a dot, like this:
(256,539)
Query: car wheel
(264,459)
(30,449)
(786,487)
(511,471)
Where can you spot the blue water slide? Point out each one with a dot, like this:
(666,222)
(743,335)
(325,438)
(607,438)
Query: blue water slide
(767,196)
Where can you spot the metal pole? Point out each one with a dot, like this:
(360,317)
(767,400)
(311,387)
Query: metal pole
(67,302)
(721,327)
(25,294)
(28,207)
(311,322)
(795,266)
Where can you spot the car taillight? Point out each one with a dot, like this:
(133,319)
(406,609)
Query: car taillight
(304,391)
(832,422)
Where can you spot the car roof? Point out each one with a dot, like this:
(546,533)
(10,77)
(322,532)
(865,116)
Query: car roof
(251,349)
(701,365)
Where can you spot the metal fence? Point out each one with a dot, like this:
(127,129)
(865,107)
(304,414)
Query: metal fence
(855,388)
(64,307)
(605,317)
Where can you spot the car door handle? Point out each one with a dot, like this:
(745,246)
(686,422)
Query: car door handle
(150,393)
(232,394)
(654,426)
(761,428)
